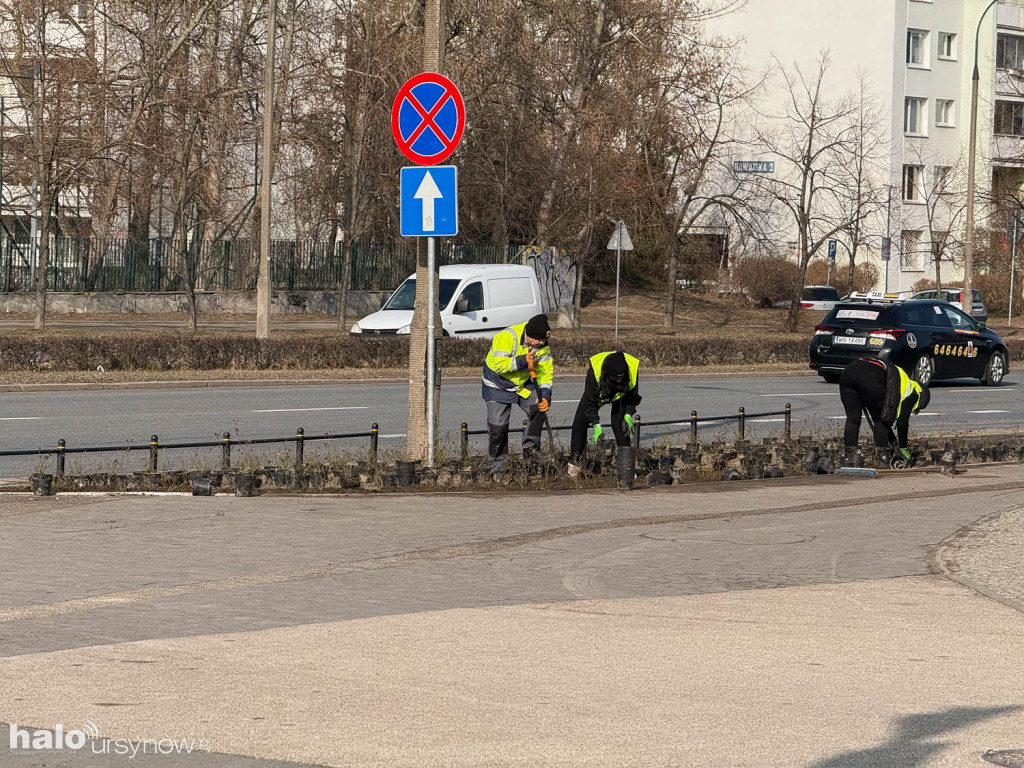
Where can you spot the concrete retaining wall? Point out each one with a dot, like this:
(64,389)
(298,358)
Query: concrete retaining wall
(359,303)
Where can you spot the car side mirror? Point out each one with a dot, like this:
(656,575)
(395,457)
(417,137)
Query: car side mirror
(462,305)
(982,326)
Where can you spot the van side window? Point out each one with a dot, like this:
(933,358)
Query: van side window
(473,294)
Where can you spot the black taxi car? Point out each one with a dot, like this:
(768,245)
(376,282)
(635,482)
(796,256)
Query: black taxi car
(929,338)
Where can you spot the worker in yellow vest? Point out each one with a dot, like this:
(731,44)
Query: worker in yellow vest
(612,377)
(888,395)
(518,371)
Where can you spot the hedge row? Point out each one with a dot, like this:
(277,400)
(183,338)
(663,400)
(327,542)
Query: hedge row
(177,351)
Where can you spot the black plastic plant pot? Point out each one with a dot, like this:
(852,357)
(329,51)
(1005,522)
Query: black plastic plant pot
(625,466)
(42,484)
(202,486)
(246,484)
(405,472)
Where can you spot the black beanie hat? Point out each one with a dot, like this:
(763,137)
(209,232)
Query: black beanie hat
(537,327)
(615,365)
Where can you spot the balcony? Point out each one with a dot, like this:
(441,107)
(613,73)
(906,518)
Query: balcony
(1007,150)
(1010,13)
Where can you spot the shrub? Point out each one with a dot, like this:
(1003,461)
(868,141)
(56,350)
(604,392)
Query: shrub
(865,276)
(995,292)
(178,351)
(765,280)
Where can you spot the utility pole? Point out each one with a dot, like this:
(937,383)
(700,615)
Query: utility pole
(424,386)
(887,242)
(1013,267)
(41,198)
(263,287)
(972,151)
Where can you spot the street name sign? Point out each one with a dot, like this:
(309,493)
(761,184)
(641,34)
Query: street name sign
(753,166)
(428,118)
(429,201)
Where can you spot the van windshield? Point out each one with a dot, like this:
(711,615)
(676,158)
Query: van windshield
(405,296)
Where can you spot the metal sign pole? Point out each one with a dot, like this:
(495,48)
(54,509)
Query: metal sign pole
(618,264)
(431,350)
(1013,267)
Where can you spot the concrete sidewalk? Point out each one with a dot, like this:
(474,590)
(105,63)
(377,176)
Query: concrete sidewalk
(794,623)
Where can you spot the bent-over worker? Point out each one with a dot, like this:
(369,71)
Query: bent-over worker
(612,377)
(518,370)
(889,396)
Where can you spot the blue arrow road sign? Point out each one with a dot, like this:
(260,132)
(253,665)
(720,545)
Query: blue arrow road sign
(430,201)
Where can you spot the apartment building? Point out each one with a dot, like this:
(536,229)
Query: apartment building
(917,58)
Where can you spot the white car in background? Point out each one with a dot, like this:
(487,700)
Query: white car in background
(955,297)
(475,301)
(823,297)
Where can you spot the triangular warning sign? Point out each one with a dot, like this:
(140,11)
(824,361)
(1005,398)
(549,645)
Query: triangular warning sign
(620,238)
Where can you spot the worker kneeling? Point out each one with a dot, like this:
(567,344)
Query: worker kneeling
(889,396)
(612,377)
(519,370)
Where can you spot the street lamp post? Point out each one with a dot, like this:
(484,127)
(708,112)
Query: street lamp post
(971,152)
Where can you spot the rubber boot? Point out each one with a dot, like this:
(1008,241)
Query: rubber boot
(883,458)
(851,457)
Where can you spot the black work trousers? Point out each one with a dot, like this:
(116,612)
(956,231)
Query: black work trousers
(581,423)
(862,386)
(498,415)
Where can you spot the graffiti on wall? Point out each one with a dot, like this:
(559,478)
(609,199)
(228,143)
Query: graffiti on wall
(556,272)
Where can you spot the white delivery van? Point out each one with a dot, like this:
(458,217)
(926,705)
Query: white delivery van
(475,300)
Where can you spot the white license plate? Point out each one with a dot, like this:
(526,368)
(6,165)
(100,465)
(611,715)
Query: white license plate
(857,341)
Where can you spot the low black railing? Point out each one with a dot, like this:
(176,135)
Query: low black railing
(225,443)
(740,416)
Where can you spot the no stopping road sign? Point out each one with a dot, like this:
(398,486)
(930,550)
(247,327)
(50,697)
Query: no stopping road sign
(428,118)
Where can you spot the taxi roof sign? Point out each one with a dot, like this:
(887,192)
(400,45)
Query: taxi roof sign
(876,296)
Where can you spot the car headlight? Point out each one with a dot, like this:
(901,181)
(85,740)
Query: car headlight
(355,328)
(404,329)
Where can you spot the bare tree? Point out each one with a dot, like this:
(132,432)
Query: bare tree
(693,168)
(815,142)
(866,172)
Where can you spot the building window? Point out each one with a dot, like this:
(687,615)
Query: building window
(913,189)
(944,112)
(914,116)
(947,45)
(1009,120)
(917,47)
(910,245)
(1009,51)
(940,178)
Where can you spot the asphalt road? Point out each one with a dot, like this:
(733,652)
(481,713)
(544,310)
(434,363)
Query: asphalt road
(31,420)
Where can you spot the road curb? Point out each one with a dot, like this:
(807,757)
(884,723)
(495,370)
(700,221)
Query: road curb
(943,560)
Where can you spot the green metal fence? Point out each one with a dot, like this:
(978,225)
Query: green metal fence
(161,264)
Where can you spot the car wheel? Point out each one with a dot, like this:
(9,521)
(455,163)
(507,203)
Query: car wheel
(924,369)
(831,378)
(995,370)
